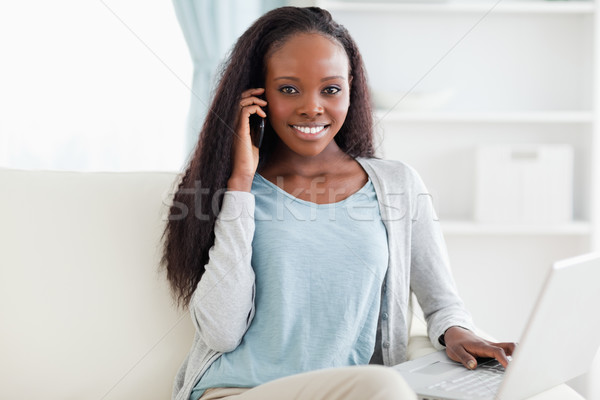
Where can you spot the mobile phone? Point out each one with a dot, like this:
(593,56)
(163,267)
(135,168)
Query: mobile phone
(257,129)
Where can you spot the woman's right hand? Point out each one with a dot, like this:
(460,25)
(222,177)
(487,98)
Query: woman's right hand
(245,154)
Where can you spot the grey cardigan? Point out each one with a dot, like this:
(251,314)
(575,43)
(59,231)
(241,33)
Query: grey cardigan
(222,306)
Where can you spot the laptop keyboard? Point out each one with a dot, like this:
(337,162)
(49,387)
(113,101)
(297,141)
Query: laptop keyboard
(484,381)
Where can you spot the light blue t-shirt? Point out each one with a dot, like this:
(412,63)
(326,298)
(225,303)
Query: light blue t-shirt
(319,269)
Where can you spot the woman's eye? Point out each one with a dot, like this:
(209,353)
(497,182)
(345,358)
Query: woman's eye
(332,90)
(288,90)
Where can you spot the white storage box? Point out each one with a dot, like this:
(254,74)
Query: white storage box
(524,183)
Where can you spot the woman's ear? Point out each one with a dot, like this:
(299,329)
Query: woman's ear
(350,81)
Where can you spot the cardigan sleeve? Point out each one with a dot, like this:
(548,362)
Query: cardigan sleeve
(222,306)
(431,279)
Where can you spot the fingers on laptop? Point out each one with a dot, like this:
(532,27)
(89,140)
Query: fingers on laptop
(509,349)
(467,352)
(458,353)
(499,353)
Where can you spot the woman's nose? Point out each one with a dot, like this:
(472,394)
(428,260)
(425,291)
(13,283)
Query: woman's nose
(310,106)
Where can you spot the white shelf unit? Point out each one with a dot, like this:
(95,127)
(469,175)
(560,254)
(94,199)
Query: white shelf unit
(519,71)
(582,117)
(473,228)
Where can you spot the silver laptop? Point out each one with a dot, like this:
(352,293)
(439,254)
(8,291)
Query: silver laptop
(559,343)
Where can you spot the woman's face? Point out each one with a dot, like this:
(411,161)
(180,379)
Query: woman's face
(307,89)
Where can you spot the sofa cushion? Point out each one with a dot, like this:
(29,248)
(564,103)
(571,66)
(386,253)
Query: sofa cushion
(86,312)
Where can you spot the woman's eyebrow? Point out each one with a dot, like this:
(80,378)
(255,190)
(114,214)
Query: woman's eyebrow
(293,78)
(332,77)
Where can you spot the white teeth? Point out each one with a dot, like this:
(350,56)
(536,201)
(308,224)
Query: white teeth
(307,129)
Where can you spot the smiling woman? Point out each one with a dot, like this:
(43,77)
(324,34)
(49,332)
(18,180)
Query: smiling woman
(94,88)
(287,302)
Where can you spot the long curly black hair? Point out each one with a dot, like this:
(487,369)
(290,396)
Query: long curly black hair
(189,232)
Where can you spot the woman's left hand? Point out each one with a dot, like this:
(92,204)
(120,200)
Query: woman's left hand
(463,346)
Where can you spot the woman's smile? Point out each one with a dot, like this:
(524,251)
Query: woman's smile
(311,132)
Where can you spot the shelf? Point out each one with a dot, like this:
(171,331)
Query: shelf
(524,7)
(450,227)
(580,117)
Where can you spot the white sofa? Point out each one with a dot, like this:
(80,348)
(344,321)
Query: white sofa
(85,310)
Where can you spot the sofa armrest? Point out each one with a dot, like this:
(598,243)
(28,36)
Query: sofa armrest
(419,344)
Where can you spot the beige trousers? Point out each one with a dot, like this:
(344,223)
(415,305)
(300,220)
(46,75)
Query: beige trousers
(368,382)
